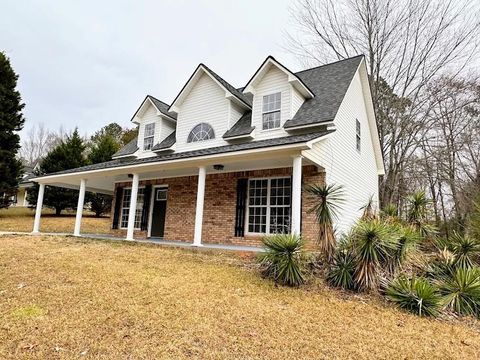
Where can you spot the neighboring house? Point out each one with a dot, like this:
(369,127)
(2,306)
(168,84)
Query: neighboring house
(227,165)
(20,199)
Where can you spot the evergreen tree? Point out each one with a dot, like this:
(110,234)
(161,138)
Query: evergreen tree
(68,154)
(103,147)
(11,121)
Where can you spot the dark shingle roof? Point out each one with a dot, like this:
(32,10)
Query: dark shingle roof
(246,99)
(168,142)
(162,107)
(329,83)
(286,140)
(242,127)
(128,149)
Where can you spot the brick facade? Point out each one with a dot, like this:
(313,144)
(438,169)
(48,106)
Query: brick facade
(220,205)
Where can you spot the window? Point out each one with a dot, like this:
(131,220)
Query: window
(127,194)
(148,136)
(271,111)
(201,132)
(269,205)
(359,141)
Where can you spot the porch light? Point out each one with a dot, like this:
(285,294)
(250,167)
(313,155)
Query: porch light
(218,167)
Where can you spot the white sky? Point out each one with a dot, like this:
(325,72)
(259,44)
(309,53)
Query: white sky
(89,63)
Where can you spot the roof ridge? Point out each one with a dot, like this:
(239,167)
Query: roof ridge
(335,62)
(163,102)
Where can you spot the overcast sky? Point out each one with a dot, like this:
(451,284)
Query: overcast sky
(89,63)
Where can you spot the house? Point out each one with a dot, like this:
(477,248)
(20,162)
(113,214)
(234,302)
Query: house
(20,198)
(227,165)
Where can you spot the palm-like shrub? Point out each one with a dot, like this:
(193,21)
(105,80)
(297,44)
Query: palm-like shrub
(368,210)
(417,213)
(327,203)
(466,250)
(390,213)
(462,291)
(416,295)
(407,241)
(283,259)
(374,247)
(341,270)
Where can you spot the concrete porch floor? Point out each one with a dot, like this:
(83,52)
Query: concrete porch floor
(156,241)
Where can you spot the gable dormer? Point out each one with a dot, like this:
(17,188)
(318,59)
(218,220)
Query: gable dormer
(277,95)
(206,107)
(155,124)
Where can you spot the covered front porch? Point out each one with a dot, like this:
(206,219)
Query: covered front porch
(229,199)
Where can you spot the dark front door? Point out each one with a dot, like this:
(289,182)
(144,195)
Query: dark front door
(159,211)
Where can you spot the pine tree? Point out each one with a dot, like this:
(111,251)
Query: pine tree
(69,154)
(11,121)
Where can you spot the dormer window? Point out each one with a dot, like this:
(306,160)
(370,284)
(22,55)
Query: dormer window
(201,132)
(271,111)
(148,136)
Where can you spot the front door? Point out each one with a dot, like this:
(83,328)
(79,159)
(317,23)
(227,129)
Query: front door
(159,211)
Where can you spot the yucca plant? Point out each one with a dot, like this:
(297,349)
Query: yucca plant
(284,259)
(342,269)
(466,250)
(417,213)
(327,203)
(407,241)
(374,247)
(368,210)
(390,213)
(461,291)
(416,295)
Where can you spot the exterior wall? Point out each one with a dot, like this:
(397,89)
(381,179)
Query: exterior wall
(206,103)
(220,206)
(21,198)
(235,114)
(344,165)
(297,101)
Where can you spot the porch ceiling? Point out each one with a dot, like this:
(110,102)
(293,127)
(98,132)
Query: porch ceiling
(103,181)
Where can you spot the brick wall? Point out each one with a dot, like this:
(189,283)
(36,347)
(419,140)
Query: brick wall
(219,207)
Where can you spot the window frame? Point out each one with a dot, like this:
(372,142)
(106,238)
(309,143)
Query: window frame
(272,111)
(191,135)
(145,137)
(268,206)
(120,220)
(358,135)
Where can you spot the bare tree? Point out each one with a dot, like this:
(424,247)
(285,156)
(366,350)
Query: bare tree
(407,44)
(36,143)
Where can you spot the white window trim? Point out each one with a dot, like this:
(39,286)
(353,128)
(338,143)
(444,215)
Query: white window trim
(247,212)
(121,208)
(273,111)
(148,137)
(150,210)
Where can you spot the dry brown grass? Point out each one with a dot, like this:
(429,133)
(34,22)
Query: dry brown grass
(21,219)
(78,298)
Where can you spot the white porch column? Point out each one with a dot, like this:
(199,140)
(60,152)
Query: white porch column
(81,199)
(38,211)
(296,195)
(133,207)
(197,237)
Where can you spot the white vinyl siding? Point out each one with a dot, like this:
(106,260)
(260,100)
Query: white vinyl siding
(274,81)
(205,103)
(297,102)
(344,165)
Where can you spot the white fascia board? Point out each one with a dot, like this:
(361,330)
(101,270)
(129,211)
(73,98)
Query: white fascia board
(244,136)
(292,78)
(320,138)
(298,146)
(299,127)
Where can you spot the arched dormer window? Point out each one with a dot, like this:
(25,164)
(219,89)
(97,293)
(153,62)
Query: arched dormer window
(201,132)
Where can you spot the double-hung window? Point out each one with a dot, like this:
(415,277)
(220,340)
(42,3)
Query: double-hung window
(127,194)
(358,135)
(271,111)
(269,205)
(148,136)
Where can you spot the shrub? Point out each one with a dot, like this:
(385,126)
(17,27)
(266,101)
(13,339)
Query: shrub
(374,246)
(284,259)
(461,291)
(466,250)
(341,271)
(416,295)
(407,241)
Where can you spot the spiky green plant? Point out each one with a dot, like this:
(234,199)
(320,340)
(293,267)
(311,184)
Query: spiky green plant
(407,241)
(416,295)
(466,250)
(328,199)
(374,248)
(369,210)
(417,213)
(389,213)
(283,259)
(341,270)
(461,291)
